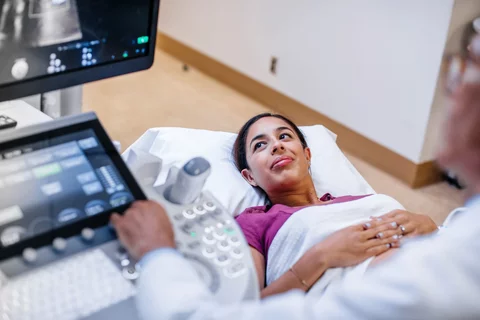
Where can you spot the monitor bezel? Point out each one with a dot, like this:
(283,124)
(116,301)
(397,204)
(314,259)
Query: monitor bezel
(59,81)
(64,126)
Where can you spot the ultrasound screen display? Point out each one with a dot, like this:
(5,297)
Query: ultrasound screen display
(39,38)
(50,184)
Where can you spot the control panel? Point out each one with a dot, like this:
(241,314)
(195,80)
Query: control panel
(205,233)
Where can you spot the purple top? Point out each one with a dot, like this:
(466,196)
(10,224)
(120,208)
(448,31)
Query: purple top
(261,226)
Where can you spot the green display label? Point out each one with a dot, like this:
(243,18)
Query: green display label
(142,40)
(47,170)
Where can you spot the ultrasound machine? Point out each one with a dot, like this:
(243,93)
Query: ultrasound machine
(61,179)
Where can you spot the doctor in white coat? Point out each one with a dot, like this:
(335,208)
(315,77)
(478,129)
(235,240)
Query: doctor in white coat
(434,277)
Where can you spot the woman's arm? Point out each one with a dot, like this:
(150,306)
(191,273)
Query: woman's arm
(259,262)
(346,247)
(311,265)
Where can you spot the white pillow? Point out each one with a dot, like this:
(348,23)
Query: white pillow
(331,170)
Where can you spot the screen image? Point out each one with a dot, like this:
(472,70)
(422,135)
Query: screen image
(43,37)
(53,183)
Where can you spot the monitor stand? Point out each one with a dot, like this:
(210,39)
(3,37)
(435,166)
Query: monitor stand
(61,103)
(46,106)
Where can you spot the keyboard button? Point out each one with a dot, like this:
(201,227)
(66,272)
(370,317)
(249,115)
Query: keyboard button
(187,227)
(222,260)
(88,234)
(234,241)
(59,245)
(210,206)
(236,253)
(208,230)
(178,217)
(199,210)
(219,235)
(209,252)
(223,245)
(130,273)
(29,255)
(124,262)
(189,214)
(209,239)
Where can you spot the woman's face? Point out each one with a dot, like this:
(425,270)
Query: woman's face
(275,155)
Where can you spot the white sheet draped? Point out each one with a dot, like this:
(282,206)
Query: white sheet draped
(311,225)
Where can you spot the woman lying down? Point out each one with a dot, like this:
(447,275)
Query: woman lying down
(303,241)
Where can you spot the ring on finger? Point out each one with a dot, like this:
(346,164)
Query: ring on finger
(403,229)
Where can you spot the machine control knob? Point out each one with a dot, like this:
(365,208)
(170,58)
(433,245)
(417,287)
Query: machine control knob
(59,244)
(130,272)
(20,69)
(88,234)
(29,255)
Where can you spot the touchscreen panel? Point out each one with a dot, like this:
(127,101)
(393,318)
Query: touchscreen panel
(52,183)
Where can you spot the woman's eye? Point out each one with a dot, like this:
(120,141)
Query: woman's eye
(283,135)
(257,145)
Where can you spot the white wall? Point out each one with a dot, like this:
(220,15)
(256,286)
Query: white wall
(371,65)
(464,12)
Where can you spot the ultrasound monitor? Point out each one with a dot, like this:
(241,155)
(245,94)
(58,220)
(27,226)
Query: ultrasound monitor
(48,45)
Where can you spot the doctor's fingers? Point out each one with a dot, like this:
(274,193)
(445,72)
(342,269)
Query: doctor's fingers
(129,224)
(122,227)
(134,217)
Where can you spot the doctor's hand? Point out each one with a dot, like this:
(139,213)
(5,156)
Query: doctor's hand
(410,224)
(144,227)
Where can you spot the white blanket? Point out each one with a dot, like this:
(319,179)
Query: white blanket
(311,225)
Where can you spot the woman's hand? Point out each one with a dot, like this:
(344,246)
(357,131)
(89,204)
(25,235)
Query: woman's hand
(410,224)
(355,244)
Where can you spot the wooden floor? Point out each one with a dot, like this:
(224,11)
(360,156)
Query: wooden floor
(166,95)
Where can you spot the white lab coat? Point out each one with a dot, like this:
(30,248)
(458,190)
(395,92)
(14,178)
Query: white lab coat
(435,277)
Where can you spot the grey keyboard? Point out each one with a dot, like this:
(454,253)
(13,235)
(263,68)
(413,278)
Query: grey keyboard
(72,288)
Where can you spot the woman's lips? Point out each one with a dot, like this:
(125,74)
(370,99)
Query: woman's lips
(282,162)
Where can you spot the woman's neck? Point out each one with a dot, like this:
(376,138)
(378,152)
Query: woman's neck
(296,197)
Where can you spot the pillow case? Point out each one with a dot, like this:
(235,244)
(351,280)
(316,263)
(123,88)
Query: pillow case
(332,172)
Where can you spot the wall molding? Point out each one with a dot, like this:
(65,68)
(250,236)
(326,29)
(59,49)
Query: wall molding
(414,175)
